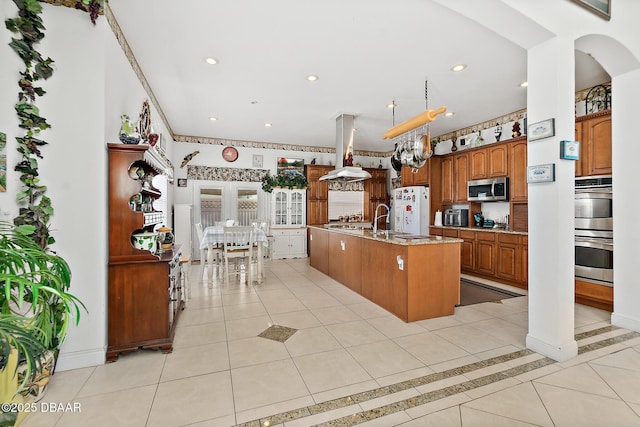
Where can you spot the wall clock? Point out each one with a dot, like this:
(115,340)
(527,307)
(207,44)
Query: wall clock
(230,154)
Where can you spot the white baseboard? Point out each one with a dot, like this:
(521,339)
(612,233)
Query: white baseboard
(560,354)
(81,359)
(625,322)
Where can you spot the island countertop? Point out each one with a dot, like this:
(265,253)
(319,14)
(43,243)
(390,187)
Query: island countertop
(393,237)
(413,277)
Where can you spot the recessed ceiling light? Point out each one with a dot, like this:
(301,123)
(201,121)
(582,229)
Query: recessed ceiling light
(211,61)
(449,113)
(458,67)
(524,84)
(267,124)
(312,77)
(213,119)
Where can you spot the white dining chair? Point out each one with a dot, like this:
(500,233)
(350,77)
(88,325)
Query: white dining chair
(238,242)
(211,256)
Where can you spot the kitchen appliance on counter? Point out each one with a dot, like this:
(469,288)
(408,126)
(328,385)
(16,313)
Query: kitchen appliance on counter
(488,190)
(594,229)
(456,218)
(411,210)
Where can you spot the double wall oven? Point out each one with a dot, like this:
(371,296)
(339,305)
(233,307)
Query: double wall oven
(594,230)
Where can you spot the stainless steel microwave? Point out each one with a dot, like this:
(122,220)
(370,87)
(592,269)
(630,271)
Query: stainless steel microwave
(488,190)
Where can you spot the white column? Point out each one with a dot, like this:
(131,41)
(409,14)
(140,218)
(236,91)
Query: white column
(626,229)
(551,204)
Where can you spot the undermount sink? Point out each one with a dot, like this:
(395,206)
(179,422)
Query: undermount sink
(417,237)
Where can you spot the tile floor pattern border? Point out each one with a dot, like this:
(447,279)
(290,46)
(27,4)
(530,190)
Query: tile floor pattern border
(424,398)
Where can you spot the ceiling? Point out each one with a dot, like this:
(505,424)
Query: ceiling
(366,53)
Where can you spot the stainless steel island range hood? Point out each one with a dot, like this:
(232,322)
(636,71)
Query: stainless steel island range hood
(344,144)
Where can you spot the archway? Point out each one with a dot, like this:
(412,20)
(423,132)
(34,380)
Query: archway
(624,69)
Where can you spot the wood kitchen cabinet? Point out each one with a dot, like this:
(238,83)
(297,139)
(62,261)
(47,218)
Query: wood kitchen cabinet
(594,133)
(488,162)
(467,250)
(460,177)
(376,189)
(523,271)
(317,194)
(345,260)
(144,297)
(319,249)
(498,256)
(508,256)
(498,161)
(486,253)
(479,164)
(447,180)
(412,176)
(518,187)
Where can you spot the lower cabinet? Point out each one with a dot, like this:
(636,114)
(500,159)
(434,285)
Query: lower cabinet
(467,250)
(345,260)
(289,242)
(498,256)
(508,256)
(486,253)
(145,301)
(594,295)
(319,249)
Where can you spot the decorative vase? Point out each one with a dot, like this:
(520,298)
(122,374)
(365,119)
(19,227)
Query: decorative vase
(128,131)
(454,147)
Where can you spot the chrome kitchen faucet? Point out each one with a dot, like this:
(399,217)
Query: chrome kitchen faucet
(375,222)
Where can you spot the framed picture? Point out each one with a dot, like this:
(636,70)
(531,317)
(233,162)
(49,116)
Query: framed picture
(540,130)
(182,182)
(570,150)
(257,160)
(290,167)
(602,8)
(541,173)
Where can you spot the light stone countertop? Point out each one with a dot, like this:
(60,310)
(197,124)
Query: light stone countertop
(393,237)
(482,229)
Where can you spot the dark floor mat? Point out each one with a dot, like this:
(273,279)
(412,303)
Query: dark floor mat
(475,293)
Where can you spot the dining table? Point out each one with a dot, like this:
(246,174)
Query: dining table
(213,238)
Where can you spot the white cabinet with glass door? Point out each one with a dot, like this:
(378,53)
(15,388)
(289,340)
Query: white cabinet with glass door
(288,208)
(288,223)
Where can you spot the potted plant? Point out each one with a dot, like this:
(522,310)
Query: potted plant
(284,181)
(35,307)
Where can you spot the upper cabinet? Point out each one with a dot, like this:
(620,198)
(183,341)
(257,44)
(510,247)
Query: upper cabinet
(488,162)
(518,170)
(317,190)
(461,176)
(317,194)
(288,207)
(594,133)
(447,180)
(376,189)
(411,177)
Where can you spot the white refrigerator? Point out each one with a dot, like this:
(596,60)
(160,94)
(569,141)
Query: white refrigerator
(411,210)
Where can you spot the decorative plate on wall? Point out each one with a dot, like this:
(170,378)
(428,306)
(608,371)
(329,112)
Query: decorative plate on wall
(230,154)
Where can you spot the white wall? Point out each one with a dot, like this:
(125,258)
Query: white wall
(93,84)
(74,167)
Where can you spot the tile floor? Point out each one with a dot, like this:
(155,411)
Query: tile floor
(352,363)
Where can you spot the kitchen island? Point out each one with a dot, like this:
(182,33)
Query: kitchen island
(413,277)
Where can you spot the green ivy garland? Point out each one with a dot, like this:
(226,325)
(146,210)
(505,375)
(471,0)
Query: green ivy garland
(282,181)
(35,206)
